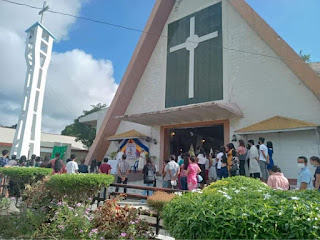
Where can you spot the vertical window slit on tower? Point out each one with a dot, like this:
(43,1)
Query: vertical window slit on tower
(39,79)
(28,83)
(33,130)
(42,59)
(36,101)
(20,128)
(25,103)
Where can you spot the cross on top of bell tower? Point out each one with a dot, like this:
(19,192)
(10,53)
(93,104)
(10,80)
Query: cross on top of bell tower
(45,8)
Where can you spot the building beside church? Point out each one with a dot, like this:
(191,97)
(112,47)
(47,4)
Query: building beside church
(213,71)
(47,144)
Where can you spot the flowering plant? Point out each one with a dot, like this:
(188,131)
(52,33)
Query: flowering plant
(243,208)
(5,203)
(69,222)
(116,222)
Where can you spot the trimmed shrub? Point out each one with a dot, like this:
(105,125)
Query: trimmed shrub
(21,176)
(26,175)
(77,187)
(159,199)
(243,208)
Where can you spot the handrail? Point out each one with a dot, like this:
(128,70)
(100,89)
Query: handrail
(146,188)
(129,195)
(157,216)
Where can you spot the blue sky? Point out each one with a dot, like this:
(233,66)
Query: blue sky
(108,42)
(294,20)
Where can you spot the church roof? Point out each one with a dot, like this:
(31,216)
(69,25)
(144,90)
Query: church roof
(132,134)
(184,114)
(147,43)
(277,124)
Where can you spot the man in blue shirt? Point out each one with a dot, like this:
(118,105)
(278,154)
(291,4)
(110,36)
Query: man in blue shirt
(304,178)
(4,159)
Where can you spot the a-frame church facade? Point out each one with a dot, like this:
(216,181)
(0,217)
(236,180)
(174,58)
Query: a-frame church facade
(208,71)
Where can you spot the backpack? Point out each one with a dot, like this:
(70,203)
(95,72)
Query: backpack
(235,166)
(150,177)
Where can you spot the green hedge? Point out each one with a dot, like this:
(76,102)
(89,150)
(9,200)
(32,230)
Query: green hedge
(243,208)
(77,187)
(21,176)
(26,175)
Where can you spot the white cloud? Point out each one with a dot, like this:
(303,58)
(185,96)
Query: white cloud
(19,18)
(81,80)
(75,80)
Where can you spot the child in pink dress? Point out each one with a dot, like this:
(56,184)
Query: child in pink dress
(192,171)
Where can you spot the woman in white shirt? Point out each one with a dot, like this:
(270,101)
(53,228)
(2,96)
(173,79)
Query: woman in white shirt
(202,165)
(253,155)
(219,157)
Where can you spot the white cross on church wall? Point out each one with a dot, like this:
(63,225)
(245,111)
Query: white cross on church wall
(191,44)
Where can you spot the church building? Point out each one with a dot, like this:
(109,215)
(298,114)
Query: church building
(209,72)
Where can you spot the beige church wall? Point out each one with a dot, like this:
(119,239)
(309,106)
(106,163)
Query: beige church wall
(262,86)
(288,146)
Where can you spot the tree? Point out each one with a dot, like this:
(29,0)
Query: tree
(83,132)
(305,57)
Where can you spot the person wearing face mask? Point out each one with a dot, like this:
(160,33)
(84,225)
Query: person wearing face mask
(315,162)
(304,178)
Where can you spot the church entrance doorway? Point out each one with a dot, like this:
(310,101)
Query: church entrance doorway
(184,139)
(177,137)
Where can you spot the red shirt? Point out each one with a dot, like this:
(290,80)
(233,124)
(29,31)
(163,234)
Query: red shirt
(105,168)
(63,167)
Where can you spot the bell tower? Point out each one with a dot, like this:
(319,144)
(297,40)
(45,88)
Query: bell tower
(37,55)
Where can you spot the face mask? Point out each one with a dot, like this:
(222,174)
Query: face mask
(301,165)
(315,166)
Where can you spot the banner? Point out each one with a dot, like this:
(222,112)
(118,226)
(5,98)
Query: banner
(138,143)
(62,150)
(131,151)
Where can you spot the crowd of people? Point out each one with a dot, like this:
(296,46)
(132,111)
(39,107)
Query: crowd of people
(190,172)
(57,164)
(256,161)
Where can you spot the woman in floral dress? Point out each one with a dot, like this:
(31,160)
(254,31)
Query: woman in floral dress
(192,172)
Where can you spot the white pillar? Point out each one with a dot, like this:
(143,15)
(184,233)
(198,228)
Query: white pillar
(38,55)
